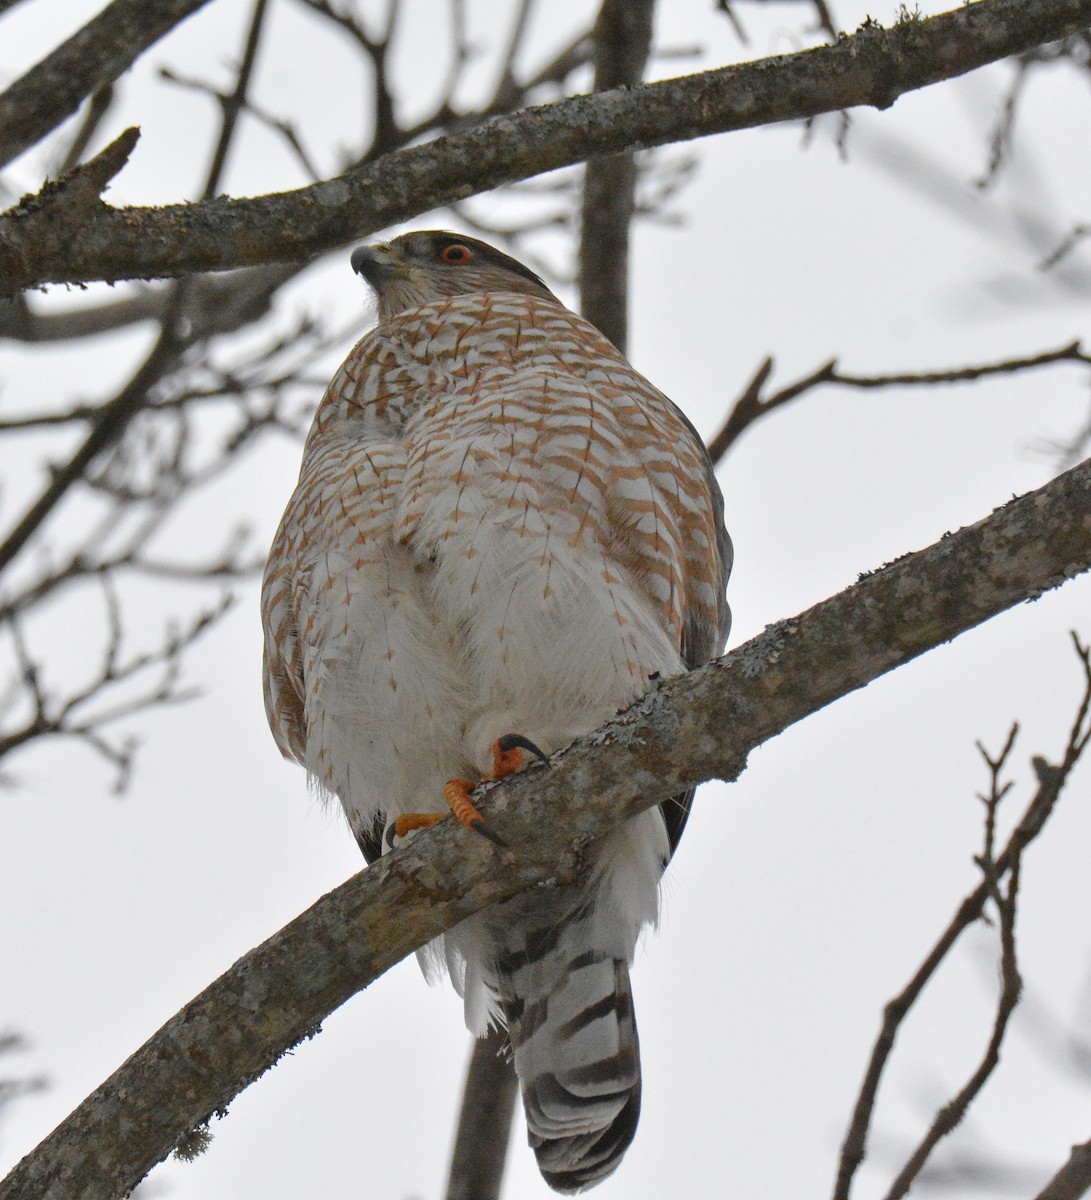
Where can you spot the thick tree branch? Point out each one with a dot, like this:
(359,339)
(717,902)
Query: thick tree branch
(92,58)
(688,729)
(874,66)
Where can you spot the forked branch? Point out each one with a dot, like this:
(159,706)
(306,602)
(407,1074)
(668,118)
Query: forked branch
(1000,885)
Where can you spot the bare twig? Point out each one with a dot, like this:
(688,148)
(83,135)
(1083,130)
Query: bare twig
(214,304)
(12,1089)
(97,108)
(1000,140)
(822,14)
(1002,136)
(232,105)
(1051,780)
(85,713)
(752,405)
(507,89)
(110,423)
(1011,983)
(1064,248)
(386,134)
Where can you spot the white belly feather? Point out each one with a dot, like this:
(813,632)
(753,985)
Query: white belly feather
(453,630)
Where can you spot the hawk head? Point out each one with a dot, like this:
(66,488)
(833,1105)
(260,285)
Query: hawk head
(435,264)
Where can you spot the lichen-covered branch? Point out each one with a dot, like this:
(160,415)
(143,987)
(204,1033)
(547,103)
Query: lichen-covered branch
(873,67)
(688,729)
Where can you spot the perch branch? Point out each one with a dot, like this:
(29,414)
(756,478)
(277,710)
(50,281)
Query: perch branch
(688,729)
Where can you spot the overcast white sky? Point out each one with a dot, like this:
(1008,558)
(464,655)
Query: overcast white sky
(806,894)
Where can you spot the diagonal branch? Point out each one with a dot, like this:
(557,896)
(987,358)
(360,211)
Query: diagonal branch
(688,729)
(872,67)
(92,58)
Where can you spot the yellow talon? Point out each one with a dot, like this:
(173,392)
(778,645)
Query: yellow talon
(507,758)
(407,822)
(457,794)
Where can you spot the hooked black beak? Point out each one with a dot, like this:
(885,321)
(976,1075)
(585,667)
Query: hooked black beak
(373,263)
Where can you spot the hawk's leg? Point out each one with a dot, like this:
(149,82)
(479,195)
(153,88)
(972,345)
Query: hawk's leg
(507,758)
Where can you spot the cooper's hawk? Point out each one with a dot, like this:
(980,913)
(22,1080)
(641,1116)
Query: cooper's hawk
(500,528)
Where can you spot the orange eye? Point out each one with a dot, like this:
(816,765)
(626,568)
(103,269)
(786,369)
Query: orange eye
(457,254)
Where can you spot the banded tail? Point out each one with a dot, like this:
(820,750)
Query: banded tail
(569,1012)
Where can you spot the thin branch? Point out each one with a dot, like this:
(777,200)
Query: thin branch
(507,89)
(1001,137)
(111,422)
(19,322)
(460,53)
(13,1089)
(233,104)
(1051,780)
(92,58)
(1011,985)
(824,18)
(694,727)
(622,39)
(1064,248)
(386,134)
(215,304)
(873,67)
(751,405)
(85,714)
(98,106)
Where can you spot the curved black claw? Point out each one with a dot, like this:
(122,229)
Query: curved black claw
(516,741)
(390,834)
(482,827)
